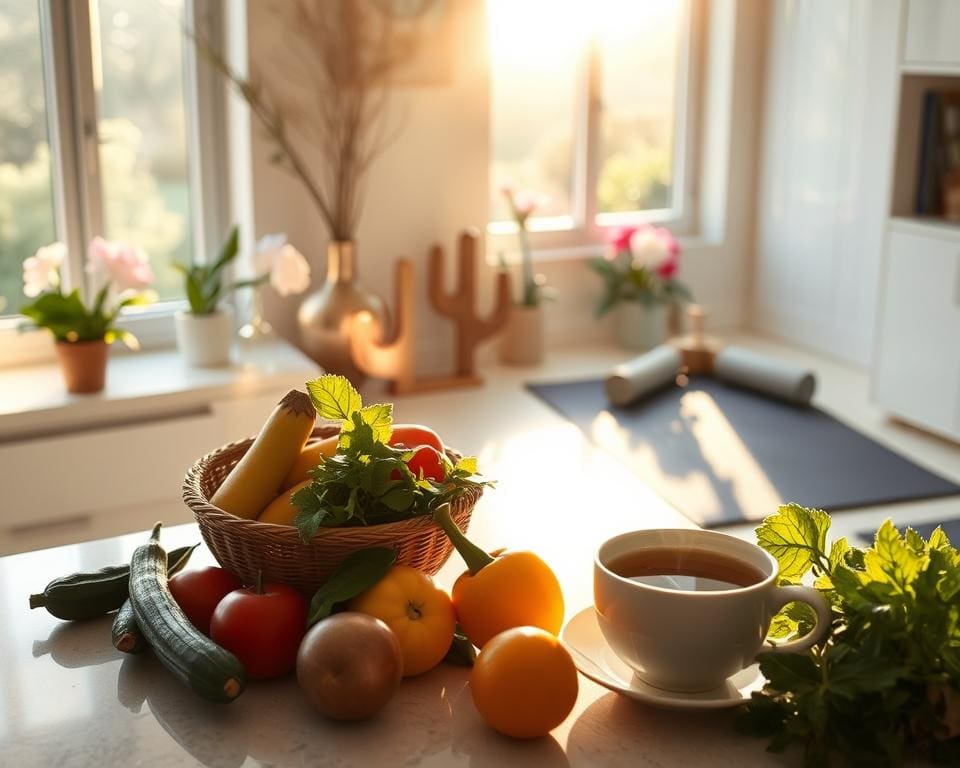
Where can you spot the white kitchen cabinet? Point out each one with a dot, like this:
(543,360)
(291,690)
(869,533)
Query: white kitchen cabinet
(917,375)
(932,34)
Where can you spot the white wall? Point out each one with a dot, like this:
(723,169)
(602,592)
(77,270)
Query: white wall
(824,186)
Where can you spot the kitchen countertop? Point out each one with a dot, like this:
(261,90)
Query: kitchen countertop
(67,698)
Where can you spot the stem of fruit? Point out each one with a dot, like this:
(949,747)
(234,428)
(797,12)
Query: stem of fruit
(472,555)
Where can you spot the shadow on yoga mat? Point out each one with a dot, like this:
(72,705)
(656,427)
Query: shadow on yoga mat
(722,455)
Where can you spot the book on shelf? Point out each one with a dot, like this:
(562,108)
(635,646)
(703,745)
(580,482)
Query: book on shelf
(938,160)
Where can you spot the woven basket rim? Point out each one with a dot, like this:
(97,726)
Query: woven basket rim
(195,499)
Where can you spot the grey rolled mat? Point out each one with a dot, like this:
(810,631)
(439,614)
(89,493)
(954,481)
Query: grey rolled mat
(784,381)
(643,375)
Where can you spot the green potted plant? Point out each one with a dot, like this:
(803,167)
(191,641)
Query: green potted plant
(82,334)
(639,277)
(522,341)
(205,330)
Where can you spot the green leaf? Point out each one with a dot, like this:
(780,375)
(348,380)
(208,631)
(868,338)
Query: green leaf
(789,671)
(891,559)
(838,552)
(379,418)
(334,397)
(228,251)
(939,539)
(462,652)
(467,464)
(356,574)
(796,537)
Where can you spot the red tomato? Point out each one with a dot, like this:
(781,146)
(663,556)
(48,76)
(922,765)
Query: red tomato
(428,462)
(263,630)
(411,435)
(198,592)
(427,459)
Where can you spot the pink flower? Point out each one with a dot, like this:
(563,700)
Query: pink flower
(41,272)
(653,247)
(669,267)
(123,264)
(618,238)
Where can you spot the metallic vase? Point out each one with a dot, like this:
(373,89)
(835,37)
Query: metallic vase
(325,315)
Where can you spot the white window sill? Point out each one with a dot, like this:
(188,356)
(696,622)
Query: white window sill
(143,387)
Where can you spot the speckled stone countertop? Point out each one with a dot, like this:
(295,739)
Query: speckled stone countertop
(68,699)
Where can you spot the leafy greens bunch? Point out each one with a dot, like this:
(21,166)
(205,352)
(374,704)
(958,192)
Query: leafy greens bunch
(367,481)
(886,682)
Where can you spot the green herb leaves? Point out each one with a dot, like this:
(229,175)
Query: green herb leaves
(368,481)
(357,573)
(886,682)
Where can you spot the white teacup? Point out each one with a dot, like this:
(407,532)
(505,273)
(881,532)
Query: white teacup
(685,640)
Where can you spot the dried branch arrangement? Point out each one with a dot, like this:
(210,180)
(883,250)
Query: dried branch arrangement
(325,94)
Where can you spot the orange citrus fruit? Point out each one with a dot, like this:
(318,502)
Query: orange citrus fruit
(524,682)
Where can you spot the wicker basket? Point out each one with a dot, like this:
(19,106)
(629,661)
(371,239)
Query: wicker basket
(245,547)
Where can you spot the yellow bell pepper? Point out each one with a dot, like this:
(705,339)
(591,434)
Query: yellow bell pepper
(514,589)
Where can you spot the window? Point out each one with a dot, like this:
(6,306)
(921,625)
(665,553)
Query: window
(589,111)
(99,101)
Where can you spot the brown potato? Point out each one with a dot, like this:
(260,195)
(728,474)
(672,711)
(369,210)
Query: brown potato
(349,665)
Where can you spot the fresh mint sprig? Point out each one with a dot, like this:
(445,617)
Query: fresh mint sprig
(367,481)
(885,684)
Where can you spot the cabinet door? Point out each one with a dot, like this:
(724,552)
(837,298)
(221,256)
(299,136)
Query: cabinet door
(918,368)
(932,32)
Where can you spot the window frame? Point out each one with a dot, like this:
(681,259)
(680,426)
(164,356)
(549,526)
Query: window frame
(583,233)
(72,131)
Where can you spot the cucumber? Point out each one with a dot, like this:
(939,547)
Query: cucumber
(203,666)
(86,595)
(126,635)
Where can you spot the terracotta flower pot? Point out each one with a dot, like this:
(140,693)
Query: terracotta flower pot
(83,364)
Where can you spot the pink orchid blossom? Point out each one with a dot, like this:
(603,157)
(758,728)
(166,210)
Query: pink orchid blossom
(41,272)
(123,264)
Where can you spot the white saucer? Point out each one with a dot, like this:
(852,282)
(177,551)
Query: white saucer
(596,660)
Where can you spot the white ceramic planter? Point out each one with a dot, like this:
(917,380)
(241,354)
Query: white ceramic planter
(641,326)
(522,341)
(205,340)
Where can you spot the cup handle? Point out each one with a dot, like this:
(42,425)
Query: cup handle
(815,600)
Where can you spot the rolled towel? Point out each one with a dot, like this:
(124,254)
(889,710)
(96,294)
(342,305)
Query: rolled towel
(630,381)
(784,381)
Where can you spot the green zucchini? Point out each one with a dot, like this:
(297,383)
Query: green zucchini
(86,595)
(209,670)
(125,633)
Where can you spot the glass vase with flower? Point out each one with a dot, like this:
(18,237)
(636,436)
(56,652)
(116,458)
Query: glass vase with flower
(523,341)
(639,273)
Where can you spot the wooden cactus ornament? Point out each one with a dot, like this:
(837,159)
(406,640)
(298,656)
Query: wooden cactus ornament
(460,306)
(392,360)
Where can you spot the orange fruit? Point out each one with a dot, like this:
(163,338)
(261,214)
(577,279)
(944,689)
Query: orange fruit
(417,610)
(524,682)
(281,511)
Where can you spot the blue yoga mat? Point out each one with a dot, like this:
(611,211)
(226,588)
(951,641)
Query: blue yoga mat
(722,455)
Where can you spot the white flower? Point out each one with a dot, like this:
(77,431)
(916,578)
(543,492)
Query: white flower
(648,248)
(289,272)
(267,251)
(41,272)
